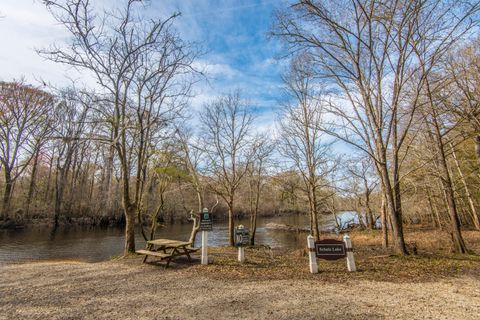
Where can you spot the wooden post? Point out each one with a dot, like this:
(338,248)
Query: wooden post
(241,254)
(204,247)
(350,260)
(311,254)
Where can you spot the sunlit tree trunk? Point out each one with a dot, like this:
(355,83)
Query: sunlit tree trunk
(474,212)
(383,217)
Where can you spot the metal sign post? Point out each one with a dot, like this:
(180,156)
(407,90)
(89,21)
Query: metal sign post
(205,226)
(241,240)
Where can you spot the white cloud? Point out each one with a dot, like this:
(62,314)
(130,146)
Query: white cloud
(27,26)
(215,70)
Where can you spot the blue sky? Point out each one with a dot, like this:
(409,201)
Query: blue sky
(239,54)
(234,33)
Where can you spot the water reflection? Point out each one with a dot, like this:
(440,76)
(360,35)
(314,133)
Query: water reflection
(95,244)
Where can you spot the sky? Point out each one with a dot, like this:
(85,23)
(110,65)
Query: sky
(239,54)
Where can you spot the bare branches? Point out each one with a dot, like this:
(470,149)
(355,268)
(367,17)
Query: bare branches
(302,140)
(144,73)
(24,127)
(226,133)
(376,56)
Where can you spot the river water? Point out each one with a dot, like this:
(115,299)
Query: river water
(97,244)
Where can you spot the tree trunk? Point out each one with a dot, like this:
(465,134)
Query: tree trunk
(398,223)
(369,214)
(108,182)
(477,147)
(59,192)
(253,228)
(75,169)
(383,218)
(446,181)
(49,178)
(475,216)
(31,188)
(316,230)
(195,227)
(196,220)
(231,224)
(92,179)
(393,212)
(433,211)
(7,193)
(368,209)
(253,220)
(455,232)
(106,196)
(129,228)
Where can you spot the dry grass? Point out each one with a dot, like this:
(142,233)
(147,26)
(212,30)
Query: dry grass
(434,261)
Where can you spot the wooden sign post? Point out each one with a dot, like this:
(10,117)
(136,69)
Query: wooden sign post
(350,260)
(206,223)
(330,249)
(311,254)
(241,240)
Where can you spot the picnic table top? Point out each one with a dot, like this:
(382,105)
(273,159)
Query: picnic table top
(169,243)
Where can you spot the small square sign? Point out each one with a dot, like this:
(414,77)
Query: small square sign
(206,221)
(242,237)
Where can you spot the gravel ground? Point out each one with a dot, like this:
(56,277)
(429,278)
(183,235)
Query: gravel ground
(127,289)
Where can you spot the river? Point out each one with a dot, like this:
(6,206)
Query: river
(97,244)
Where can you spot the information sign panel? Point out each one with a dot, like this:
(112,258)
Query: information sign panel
(330,249)
(206,221)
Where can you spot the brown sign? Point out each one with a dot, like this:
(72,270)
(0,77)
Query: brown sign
(330,249)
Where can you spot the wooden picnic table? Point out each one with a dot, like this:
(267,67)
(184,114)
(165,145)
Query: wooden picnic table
(167,249)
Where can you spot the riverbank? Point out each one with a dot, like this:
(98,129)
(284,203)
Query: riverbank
(42,222)
(18,221)
(271,284)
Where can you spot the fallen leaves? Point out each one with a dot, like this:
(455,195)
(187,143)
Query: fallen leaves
(433,262)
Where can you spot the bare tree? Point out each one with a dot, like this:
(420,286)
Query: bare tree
(288,185)
(468,192)
(301,138)
(167,173)
(363,177)
(438,133)
(192,157)
(462,68)
(368,51)
(226,124)
(69,134)
(142,69)
(263,148)
(23,121)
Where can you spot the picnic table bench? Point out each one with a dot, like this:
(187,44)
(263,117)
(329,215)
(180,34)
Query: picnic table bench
(167,249)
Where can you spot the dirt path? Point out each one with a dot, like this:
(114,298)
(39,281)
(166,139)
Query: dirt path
(130,290)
